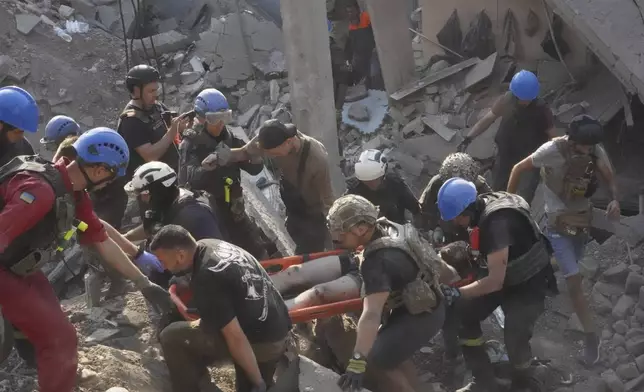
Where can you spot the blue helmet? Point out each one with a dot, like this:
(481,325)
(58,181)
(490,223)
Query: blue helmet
(59,128)
(19,109)
(525,85)
(454,197)
(103,145)
(210,100)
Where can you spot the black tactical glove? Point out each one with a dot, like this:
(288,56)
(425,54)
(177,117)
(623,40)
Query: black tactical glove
(462,146)
(351,380)
(158,298)
(451,294)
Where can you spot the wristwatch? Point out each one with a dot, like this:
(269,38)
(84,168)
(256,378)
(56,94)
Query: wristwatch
(358,356)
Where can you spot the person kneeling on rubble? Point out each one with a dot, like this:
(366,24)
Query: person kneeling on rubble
(242,315)
(517,278)
(570,165)
(384,188)
(162,202)
(210,133)
(401,290)
(44,204)
(457,164)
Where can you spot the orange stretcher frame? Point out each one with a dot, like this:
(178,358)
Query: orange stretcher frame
(274,266)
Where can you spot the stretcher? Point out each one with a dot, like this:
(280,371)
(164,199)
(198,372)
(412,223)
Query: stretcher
(181,297)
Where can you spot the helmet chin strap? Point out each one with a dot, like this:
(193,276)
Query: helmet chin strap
(91,185)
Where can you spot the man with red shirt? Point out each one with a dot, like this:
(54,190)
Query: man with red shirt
(41,205)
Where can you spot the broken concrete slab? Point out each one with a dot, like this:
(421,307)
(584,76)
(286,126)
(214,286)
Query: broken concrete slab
(108,16)
(316,378)
(66,11)
(189,77)
(192,89)
(397,116)
(415,126)
(377,142)
(197,65)
(568,111)
(245,119)
(101,335)
(433,78)
(483,146)
(431,146)
(436,125)
(273,62)
(480,72)
(235,68)
(249,100)
(168,42)
(358,112)
(85,8)
(26,22)
(266,36)
(552,75)
(407,162)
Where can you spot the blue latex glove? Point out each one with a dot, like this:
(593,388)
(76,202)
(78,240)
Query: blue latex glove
(148,262)
(451,294)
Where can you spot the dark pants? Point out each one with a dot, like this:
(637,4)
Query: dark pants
(30,304)
(522,305)
(241,228)
(188,351)
(528,182)
(403,335)
(309,233)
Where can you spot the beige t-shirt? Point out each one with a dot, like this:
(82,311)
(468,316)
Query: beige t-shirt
(316,187)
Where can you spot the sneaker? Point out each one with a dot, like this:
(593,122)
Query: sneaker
(592,343)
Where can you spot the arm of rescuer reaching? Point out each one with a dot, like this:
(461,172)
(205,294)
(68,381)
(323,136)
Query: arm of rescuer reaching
(448,274)
(606,172)
(490,117)
(117,251)
(136,234)
(26,200)
(241,351)
(369,322)
(153,152)
(515,175)
(250,152)
(497,263)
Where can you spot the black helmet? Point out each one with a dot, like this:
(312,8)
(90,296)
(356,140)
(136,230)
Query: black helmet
(141,75)
(585,130)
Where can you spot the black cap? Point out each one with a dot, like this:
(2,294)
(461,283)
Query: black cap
(273,133)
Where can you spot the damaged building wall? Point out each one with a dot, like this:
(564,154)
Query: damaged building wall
(438,12)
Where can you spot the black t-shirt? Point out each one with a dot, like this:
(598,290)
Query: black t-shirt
(228,282)
(199,221)
(506,228)
(137,133)
(393,197)
(387,269)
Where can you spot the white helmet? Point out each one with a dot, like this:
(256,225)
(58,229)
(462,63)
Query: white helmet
(149,173)
(370,166)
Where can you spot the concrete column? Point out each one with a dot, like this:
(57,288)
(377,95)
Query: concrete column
(390,22)
(306,43)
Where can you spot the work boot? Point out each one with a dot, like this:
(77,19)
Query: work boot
(592,343)
(479,363)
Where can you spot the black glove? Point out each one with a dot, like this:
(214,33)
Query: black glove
(451,294)
(462,146)
(259,388)
(158,298)
(351,380)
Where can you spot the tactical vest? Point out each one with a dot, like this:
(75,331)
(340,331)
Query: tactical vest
(522,129)
(530,263)
(422,294)
(573,184)
(38,245)
(215,181)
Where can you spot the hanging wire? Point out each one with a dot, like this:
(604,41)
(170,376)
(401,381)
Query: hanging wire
(554,41)
(127,54)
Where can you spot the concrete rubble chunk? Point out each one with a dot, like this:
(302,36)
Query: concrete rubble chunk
(432,146)
(612,381)
(274,91)
(408,163)
(603,305)
(627,371)
(607,289)
(26,22)
(480,71)
(376,143)
(359,112)
(170,41)
(633,283)
(397,116)
(101,335)
(436,125)
(193,88)
(85,8)
(621,327)
(415,126)
(316,378)
(432,106)
(567,111)
(356,93)
(66,11)
(633,332)
(108,16)
(616,274)
(248,116)
(285,98)
(618,340)
(641,298)
(274,62)
(635,384)
(635,346)
(249,100)
(197,65)
(189,77)
(623,307)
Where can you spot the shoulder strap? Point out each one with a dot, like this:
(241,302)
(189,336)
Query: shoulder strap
(302,164)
